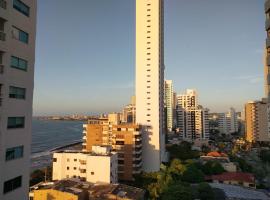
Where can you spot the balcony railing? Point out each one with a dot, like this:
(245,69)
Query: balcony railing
(2,36)
(1,69)
(3,4)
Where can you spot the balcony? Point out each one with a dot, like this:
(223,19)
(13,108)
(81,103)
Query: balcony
(267,6)
(3,4)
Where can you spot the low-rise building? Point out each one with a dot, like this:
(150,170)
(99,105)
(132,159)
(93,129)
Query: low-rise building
(74,189)
(100,165)
(234,178)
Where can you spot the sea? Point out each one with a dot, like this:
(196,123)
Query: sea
(48,135)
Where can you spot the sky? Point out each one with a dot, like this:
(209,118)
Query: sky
(85,53)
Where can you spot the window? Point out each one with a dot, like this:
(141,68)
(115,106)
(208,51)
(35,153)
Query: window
(74,168)
(92,173)
(18,63)
(54,159)
(14,153)
(12,184)
(67,168)
(15,122)
(21,7)
(16,92)
(75,160)
(19,35)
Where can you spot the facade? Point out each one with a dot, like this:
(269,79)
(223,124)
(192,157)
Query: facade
(125,139)
(98,166)
(257,121)
(228,122)
(74,189)
(127,142)
(150,81)
(169,104)
(192,119)
(17,58)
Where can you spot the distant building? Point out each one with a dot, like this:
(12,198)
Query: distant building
(169,101)
(228,122)
(129,112)
(192,119)
(257,120)
(74,189)
(125,139)
(98,166)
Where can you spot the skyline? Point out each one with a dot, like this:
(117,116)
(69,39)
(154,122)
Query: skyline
(85,89)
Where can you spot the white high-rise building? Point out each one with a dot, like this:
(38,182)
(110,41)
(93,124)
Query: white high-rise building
(228,122)
(169,103)
(17,58)
(192,119)
(150,81)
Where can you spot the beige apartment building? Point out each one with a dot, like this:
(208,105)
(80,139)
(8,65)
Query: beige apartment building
(257,120)
(17,58)
(169,103)
(125,139)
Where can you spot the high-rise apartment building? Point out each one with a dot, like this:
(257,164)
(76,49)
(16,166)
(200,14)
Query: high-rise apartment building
(267,50)
(192,119)
(228,122)
(150,81)
(169,102)
(17,58)
(125,139)
(257,121)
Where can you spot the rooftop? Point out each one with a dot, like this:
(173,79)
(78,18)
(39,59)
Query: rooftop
(233,176)
(96,191)
(240,193)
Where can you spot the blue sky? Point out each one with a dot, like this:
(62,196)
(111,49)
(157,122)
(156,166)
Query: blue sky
(85,53)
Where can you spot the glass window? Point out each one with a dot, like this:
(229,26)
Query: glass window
(12,184)
(18,63)
(16,92)
(15,122)
(19,35)
(21,7)
(14,153)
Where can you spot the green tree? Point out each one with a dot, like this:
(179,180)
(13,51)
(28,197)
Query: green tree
(193,175)
(212,167)
(265,155)
(205,192)
(177,191)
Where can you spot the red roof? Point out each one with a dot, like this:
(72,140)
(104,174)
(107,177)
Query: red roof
(216,154)
(233,176)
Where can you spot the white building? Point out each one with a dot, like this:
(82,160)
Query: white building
(169,103)
(228,122)
(17,58)
(98,166)
(192,119)
(150,81)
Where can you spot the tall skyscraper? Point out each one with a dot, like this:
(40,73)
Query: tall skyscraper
(17,57)
(169,103)
(150,81)
(267,50)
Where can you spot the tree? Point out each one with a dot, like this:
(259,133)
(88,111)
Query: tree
(212,167)
(205,192)
(176,168)
(182,151)
(177,191)
(265,155)
(193,175)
